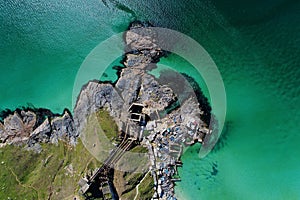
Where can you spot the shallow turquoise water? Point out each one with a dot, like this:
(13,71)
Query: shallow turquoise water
(43,44)
(254,44)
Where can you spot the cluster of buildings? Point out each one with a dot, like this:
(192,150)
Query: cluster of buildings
(165,141)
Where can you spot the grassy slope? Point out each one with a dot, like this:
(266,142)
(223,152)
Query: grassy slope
(146,188)
(27,175)
(108,125)
(99,134)
(126,182)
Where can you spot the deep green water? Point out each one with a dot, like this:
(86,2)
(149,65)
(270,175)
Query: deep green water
(254,44)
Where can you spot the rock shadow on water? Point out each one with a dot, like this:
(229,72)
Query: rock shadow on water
(186,86)
(41,113)
(223,139)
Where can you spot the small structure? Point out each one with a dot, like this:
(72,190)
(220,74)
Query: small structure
(107,191)
(136,108)
(84,185)
(137,115)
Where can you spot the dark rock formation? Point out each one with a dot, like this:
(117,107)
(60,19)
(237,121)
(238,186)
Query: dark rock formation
(25,127)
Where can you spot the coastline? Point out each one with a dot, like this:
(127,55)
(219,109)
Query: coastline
(135,67)
(42,53)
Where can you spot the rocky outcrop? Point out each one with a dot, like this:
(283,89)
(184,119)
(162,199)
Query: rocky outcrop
(133,85)
(54,129)
(93,97)
(17,127)
(41,133)
(24,127)
(63,129)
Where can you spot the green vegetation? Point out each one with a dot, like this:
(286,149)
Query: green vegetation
(100,134)
(126,182)
(16,165)
(108,125)
(132,180)
(146,133)
(129,195)
(53,173)
(139,149)
(146,188)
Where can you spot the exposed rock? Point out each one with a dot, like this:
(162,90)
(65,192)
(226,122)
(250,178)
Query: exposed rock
(17,128)
(14,125)
(128,84)
(42,132)
(35,147)
(29,120)
(142,39)
(3,134)
(133,85)
(22,127)
(154,94)
(93,97)
(63,129)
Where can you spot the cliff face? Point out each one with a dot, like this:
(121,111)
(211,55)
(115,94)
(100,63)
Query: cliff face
(17,127)
(27,127)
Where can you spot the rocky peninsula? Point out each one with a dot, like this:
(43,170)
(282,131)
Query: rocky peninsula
(162,115)
(147,110)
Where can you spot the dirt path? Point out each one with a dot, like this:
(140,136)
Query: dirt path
(137,187)
(21,184)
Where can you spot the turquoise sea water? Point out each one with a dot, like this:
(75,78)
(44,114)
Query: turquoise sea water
(254,44)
